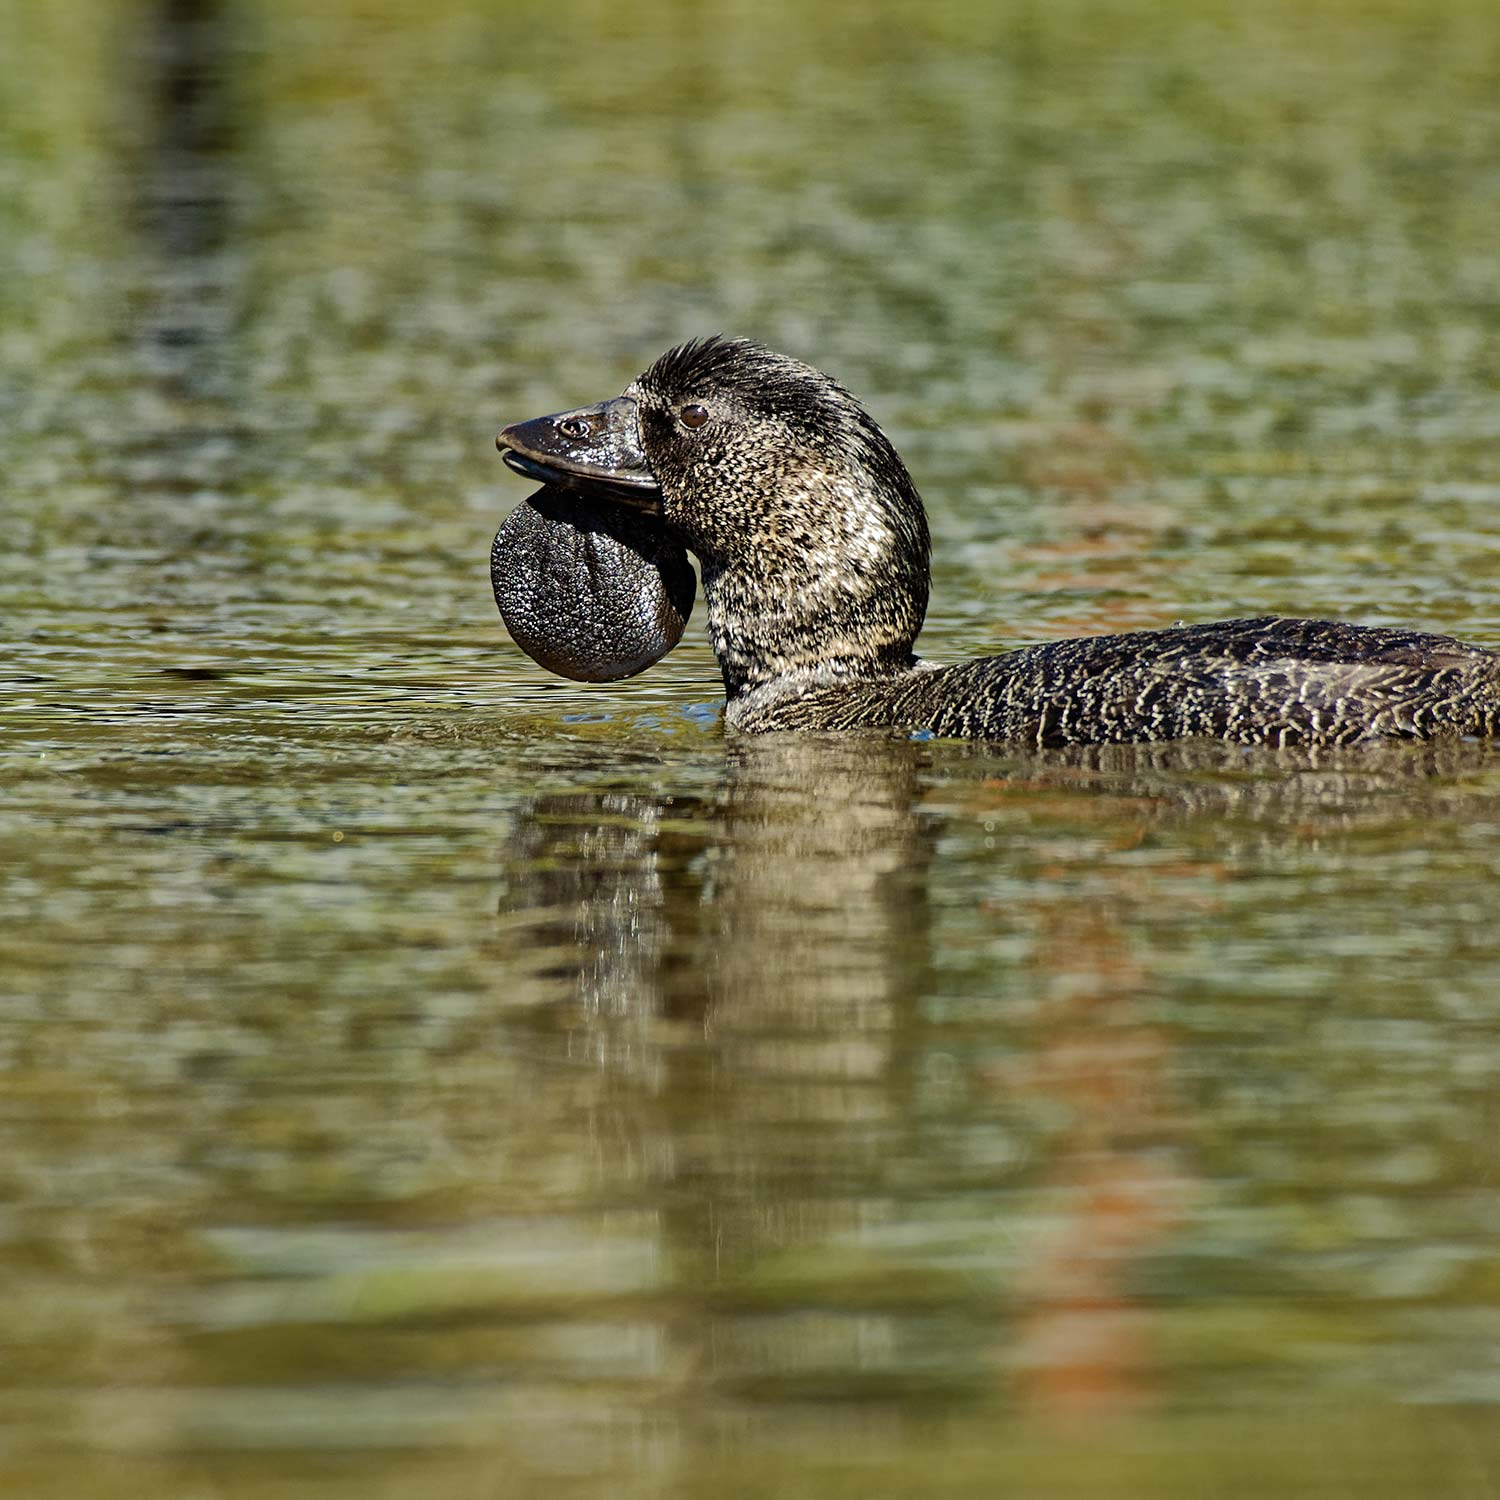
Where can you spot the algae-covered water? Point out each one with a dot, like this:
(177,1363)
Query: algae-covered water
(421,1075)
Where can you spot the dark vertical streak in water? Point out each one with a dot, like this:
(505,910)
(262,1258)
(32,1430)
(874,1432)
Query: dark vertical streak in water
(186,196)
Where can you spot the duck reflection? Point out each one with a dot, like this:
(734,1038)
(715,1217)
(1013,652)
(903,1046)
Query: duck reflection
(797,888)
(748,957)
(596,878)
(817,893)
(854,1071)
(765,901)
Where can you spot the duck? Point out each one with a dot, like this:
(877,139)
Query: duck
(815,558)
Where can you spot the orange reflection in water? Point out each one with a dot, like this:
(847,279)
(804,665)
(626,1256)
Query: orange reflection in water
(1084,1344)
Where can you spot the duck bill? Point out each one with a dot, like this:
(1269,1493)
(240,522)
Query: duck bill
(594,449)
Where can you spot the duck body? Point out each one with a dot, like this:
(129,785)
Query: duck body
(1263,681)
(814,553)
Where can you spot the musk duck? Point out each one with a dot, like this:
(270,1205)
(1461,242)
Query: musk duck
(813,548)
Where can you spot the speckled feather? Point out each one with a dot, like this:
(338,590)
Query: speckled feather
(1265,681)
(814,552)
(811,535)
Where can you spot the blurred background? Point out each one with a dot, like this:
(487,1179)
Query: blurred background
(422,1075)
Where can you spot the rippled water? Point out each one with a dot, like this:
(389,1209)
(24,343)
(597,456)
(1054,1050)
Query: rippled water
(422,1075)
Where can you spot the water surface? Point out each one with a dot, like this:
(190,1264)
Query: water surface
(422,1075)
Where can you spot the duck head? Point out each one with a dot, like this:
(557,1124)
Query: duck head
(811,536)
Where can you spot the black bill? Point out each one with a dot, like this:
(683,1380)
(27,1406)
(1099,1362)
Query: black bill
(592,449)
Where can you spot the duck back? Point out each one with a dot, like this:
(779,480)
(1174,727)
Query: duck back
(1262,681)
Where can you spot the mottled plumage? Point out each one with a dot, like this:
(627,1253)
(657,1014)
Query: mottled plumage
(1265,681)
(814,552)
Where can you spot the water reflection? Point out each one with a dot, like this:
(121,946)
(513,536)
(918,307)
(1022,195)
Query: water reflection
(186,188)
(756,954)
(768,959)
(802,912)
(1083,1337)
(800,885)
(592,871)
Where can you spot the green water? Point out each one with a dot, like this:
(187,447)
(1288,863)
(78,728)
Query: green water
(420,1075)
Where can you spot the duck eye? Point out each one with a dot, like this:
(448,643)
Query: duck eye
(693,415)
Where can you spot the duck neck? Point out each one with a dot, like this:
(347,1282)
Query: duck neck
(789,624)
